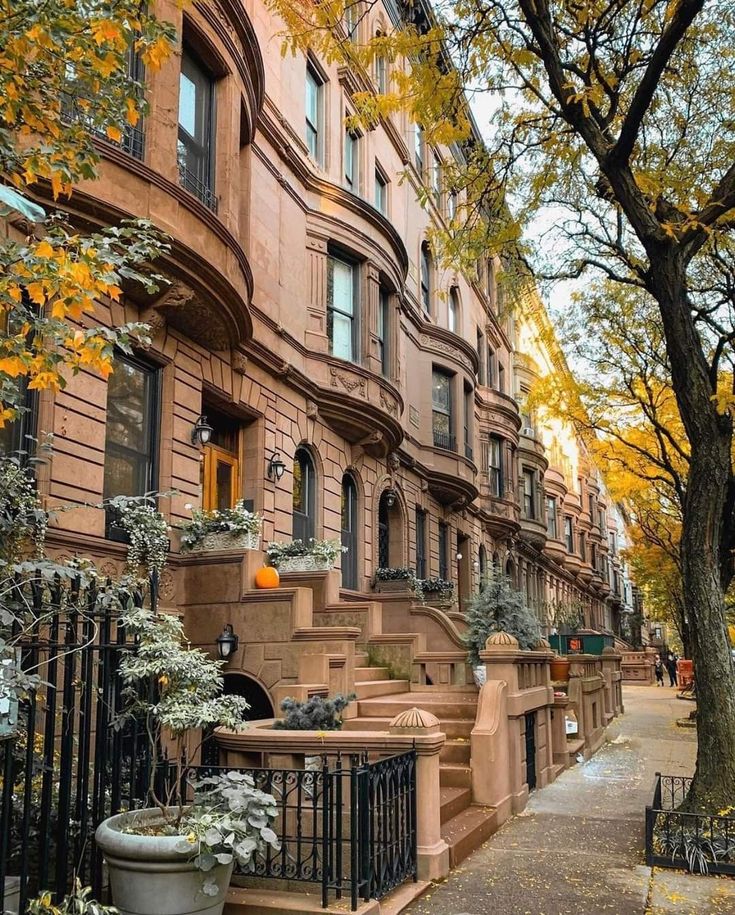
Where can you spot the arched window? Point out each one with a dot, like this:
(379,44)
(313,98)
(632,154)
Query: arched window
(381,68)
(482,565)
(426,267)
(304,495)
(453,313)
(349,532)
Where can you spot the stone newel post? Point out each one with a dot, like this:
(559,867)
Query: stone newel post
(432,850)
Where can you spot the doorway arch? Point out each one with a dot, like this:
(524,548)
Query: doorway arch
(304,496)
(390,531)
(239,684)
(350,528)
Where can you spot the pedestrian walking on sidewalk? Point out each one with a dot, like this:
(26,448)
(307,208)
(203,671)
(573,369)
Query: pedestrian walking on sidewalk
(658,666)
(671,667)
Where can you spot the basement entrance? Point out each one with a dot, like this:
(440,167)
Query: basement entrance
(531,750)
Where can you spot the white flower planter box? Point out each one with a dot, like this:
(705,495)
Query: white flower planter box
(304,564)
(229,540)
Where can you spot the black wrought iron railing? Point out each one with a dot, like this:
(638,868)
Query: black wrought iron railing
(445,440)
(675,838)
(344,823)
(201,189)
(133,138)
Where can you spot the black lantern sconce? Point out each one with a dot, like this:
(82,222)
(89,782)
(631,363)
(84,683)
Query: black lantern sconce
(276,467)
(201,434)
(390,497)
(227,643)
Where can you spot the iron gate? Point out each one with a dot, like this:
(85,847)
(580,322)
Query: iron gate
(531,750)
(70,763)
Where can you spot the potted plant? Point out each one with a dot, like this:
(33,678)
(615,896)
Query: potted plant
(222,529)
(177,855)
(297,556)
(437,591)
(565,618)
(395,579)
(78,902)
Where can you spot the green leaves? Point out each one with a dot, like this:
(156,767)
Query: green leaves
(11,199)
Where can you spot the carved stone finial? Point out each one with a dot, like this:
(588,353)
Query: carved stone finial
(542,645)
(501,640)
(608,649)
(413,719)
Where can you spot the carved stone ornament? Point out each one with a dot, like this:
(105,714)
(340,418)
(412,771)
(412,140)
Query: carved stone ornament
(154,319)
(350,383)
(441,346)
(393,462)
(312,411)
(239,363)
(388,403)
(414,718)
(501,640)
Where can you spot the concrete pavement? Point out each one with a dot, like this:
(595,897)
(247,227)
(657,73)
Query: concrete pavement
(577,849)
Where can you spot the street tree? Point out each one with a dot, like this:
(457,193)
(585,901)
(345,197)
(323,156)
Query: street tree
(70,75)
(615,117)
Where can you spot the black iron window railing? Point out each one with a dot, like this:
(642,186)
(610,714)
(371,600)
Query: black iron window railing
(445,440)
(195,185)
(675,838)
(346,824)
(132,141)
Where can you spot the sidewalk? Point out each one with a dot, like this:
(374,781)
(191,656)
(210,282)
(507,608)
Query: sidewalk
(577,849)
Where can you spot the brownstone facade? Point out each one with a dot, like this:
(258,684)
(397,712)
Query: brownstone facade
(307,315)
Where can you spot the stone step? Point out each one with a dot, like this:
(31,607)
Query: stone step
(453,801)
(371,673)
(402,897)
(467,831)
(453,776)
(369,688)
(455,751)
(443,705)
(245,901)
(367,721)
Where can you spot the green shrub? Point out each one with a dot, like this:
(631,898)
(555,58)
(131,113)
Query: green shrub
(499,607)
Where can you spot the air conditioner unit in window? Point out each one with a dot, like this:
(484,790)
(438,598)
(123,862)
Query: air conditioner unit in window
(528,431)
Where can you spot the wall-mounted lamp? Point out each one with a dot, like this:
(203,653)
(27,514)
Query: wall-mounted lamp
(201,434)
(227,643)
(276,467)
(390,497)
(459,556)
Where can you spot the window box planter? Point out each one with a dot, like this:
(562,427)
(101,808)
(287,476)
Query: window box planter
(437,591)
(229,540)
(399,585)
(398,579)
(304,564)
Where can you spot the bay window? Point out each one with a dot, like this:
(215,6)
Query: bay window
(342,309)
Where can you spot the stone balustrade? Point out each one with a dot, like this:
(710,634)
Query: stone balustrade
(637,667)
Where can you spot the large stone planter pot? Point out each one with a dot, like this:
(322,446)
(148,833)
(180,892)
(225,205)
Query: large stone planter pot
(303,564)
(148,876)
(559,669)
(227,540)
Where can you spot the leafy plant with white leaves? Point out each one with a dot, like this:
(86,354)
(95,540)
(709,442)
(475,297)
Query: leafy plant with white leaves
(23,520)
(327,550)
(148,533)
(78,902)
(230,821)
(237,520)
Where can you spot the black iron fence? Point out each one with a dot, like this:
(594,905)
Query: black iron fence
(344,823)
(700,843)
(68,764)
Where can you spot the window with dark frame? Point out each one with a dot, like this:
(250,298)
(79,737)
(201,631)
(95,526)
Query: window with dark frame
(381,191)
(426,266)
(481,378)
(441,409)
(314,115)
(384,331)
(196,136)
(453,310)
(529,493)
(352,161)
(569,533)
(495,468)
(582,546)
(490,366)
(420,543)
(444,550)
(131,430)
(418,148)
(342,309)
(303,496)
(551,520)
(469,409)
(501,378)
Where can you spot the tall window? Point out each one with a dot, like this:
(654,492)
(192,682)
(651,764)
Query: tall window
(441,409)
(591,500)
(381,192)
(349,532)
(426,277)
(381,70)
(490,366)
(383,331)
(583,546)
(352,161)
(501,378)
(496,466)
(452,206)
(304,495)
(613,543)
(469,405)
(529,493)
(569,533)
(420,543)
(593,556)
(602,520)
(314,105)
(453,310)
(341,309)
(436,180)
(131,444)
(418,148)
(351,20)
(551,521)
(481,378)
(195,149)
(443,550)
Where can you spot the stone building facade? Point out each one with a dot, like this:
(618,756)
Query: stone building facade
(306,317)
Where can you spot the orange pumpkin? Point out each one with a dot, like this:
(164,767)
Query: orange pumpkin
(267,577)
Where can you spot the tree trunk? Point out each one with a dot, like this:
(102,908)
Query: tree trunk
(710,440)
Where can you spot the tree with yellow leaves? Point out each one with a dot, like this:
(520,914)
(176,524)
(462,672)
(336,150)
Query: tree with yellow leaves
(615,119)
(66,79)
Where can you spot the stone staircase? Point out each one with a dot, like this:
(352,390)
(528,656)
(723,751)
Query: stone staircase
(465,825)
